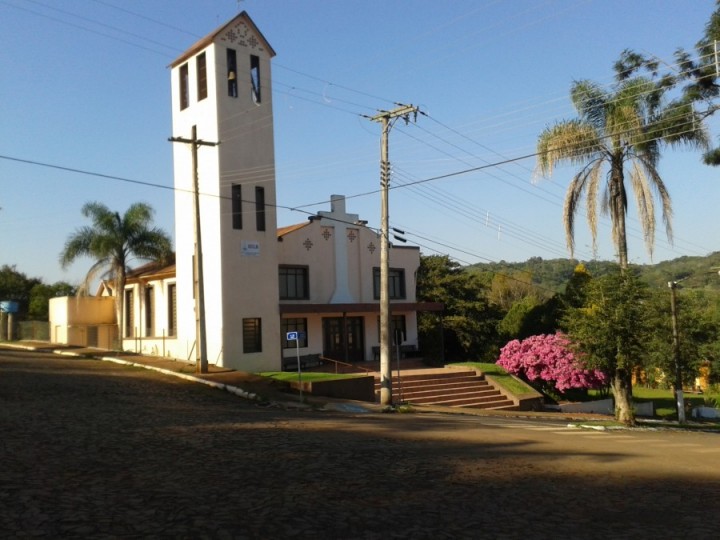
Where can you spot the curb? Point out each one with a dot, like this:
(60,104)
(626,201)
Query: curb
(235,390)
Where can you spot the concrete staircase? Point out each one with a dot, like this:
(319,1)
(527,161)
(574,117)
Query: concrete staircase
(447,387)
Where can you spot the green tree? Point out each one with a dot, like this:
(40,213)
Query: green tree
(612,329)
(469,322)
(698,331)
(113,241)
(696,74)
(530,316)
(40,296)
(618,135)
(16,286)
(511,287)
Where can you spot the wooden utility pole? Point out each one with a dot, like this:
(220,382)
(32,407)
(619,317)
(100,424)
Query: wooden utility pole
(201,361)
(386,119)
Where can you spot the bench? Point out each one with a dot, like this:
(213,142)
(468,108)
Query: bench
(290,363)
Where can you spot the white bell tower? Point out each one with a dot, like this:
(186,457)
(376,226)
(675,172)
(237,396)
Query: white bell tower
(223,87)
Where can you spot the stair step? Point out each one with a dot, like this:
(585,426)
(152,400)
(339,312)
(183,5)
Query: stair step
(452,374)
(448,388)
(410,381)
(505,405)
(449,399)
(433,393)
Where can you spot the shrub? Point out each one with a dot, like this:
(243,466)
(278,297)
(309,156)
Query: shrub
(549,358)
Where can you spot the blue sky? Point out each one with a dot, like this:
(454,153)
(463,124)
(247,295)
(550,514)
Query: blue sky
(85,86)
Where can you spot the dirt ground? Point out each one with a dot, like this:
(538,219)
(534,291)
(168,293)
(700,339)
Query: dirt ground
(98,450)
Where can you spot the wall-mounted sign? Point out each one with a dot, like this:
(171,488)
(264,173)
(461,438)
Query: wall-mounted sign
(250,249)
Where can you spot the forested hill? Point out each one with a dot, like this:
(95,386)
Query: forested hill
(553,274)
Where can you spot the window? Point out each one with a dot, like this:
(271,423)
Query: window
(260,208)
(255,77)
(184,87)
(236,196)
(201,67)
(149,311)
(232,73)
(397,324)
(294,283)
(252,335)
(129,313)
(396,283)
(172,309)
(298,325)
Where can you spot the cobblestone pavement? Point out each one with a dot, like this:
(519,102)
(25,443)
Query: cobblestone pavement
(91,449)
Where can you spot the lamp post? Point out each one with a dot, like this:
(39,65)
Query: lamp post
(679,398)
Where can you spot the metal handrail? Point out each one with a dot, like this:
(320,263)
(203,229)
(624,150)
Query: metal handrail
(336,362)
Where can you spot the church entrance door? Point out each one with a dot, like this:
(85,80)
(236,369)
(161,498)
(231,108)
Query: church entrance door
(343,338)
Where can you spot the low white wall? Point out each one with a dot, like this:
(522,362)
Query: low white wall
(605,406)
(705,412)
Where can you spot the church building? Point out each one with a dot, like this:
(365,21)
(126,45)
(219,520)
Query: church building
(317,281)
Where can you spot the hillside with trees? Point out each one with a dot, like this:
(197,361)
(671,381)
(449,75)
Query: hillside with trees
(550,276)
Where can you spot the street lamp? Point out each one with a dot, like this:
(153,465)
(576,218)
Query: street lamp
(679,398)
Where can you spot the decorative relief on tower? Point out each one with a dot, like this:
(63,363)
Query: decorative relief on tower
(308,244)
(352,235)
(326,233)
(240,34)
(371,247)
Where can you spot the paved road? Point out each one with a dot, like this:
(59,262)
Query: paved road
(97,450)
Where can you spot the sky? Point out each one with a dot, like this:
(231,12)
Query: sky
(85,115)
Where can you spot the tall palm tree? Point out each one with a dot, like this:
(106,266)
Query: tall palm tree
(619,133)
(113,240)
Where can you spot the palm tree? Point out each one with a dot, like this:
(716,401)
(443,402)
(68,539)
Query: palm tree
(112,241)
(619,133)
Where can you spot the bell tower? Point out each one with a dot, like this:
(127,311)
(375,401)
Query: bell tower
(222,89)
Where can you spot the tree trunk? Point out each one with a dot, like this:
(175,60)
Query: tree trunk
(618,209)
(120,280)
(622,392)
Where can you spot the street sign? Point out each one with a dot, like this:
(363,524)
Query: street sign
(292,336)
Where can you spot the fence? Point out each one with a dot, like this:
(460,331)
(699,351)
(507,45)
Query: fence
(34,330)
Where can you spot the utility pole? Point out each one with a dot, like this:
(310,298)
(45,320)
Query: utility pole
(201,361)
(680,402)
(386,119)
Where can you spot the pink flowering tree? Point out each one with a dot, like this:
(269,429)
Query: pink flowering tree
(549,360)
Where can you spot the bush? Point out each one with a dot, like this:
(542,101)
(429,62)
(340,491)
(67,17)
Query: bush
(549,359)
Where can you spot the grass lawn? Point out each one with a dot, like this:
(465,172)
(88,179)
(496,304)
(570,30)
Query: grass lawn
(503,378)
(309,376)
(664,400)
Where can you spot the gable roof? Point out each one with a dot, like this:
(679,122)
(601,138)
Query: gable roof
(207,40)
(282,231)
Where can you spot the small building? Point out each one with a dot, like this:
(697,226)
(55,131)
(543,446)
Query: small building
(86,321)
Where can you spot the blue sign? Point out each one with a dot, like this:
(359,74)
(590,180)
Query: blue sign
(292,336)
(9,306)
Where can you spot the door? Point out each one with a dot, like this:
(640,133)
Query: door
(343,338)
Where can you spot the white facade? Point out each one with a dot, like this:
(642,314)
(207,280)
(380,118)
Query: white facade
(150,319)
(237,195)
(329,287)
